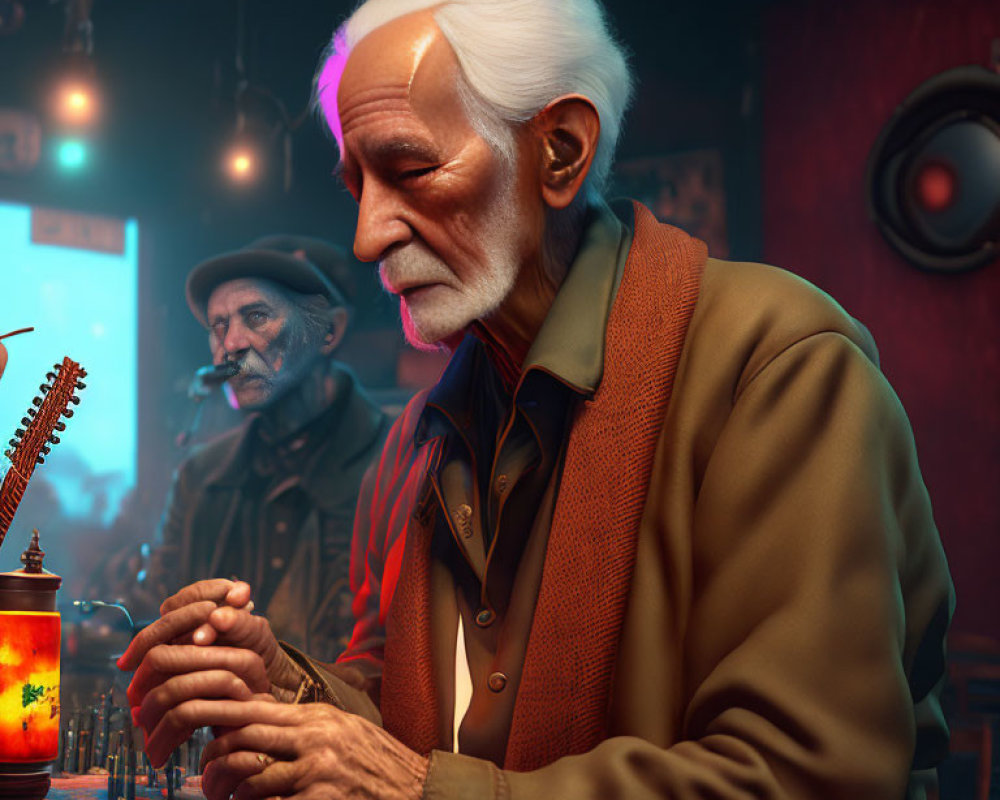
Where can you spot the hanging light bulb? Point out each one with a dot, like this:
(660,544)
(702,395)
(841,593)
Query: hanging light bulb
(76,103)
(242,163)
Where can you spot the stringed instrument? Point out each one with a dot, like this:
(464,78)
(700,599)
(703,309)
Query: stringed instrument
(33,441)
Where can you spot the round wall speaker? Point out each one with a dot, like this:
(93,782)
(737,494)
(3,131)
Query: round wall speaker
(933,175)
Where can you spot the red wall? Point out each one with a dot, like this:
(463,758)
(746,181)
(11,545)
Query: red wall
(833,73)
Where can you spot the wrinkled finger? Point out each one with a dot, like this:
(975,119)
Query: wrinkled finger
(215,684)
(240,595)
(187,638)
(167,628)
(222,775)
(165,661)
(218,731)
(280,779)
(205,634)
(238,628)
(177,725)
(281,742)
(214,590)
(221,621)
(234,623)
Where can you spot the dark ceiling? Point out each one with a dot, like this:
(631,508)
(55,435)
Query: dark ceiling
(167,71)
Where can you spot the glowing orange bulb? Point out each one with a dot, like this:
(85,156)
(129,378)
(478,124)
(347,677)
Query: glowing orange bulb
(77,105)
(241,164)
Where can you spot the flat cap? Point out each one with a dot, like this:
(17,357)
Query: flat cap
(302,263)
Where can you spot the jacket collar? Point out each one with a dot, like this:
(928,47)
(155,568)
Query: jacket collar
(569,346)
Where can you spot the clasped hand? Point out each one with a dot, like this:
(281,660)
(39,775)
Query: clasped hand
(208,661)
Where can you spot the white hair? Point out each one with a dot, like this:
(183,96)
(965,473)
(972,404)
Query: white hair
(516,56)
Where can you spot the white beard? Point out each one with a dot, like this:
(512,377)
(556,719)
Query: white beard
(448,308)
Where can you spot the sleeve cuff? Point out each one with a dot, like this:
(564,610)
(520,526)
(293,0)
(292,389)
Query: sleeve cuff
(336,691)
(452,776)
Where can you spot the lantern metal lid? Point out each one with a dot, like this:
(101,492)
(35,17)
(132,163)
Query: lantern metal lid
(31,588)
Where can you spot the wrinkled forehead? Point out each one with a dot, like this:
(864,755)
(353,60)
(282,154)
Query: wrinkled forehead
(406,65)
(229,296)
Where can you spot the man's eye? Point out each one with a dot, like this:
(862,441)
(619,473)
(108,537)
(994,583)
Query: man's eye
(219,329)
(412,174)
(256,318)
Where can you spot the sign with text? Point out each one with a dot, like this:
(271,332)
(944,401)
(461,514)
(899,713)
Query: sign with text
(81,231)
(20,141)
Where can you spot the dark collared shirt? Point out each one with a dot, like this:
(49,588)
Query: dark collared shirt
(276,501)
(498,477)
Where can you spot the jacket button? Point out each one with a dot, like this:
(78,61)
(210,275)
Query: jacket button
(485,617)
(497,681)
(463,519)
(501,484)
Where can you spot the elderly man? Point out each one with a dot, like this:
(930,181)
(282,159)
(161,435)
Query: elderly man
(274,499)
(657,532)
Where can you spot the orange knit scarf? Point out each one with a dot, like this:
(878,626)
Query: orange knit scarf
(564,693)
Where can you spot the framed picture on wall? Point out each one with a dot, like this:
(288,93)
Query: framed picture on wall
(682,189)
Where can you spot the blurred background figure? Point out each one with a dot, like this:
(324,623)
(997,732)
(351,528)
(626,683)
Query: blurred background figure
(272,499)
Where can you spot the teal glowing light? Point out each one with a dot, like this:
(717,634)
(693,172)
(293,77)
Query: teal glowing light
(72,154)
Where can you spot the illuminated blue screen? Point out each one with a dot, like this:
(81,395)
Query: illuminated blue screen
(83,304)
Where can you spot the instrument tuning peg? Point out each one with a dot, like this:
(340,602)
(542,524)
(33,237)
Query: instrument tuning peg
(83,373)
(37,402)
(68,413)
(8,453)
(45,449)
(40,459)
(57,367)
(60,426)
(31,412)
(50,376)
(25,421)
(54,439)
(19,432)
(13,442)
(74,400)
(81,385)
(44,388)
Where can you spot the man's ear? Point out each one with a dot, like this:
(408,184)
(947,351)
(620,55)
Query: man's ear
(335,335)
(567,130)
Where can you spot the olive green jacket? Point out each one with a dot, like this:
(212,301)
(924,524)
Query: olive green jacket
(784,629)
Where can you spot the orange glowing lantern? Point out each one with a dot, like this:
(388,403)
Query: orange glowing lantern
(29,676)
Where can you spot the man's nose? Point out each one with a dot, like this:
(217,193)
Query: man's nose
(380,223)
(237,341)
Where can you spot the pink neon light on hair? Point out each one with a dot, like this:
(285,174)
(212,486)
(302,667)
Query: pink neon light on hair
(329,82)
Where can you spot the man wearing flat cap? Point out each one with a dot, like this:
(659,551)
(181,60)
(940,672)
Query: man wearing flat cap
(273,500)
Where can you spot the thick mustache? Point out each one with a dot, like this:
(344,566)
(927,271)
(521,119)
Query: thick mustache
(410,266)
(250,365)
